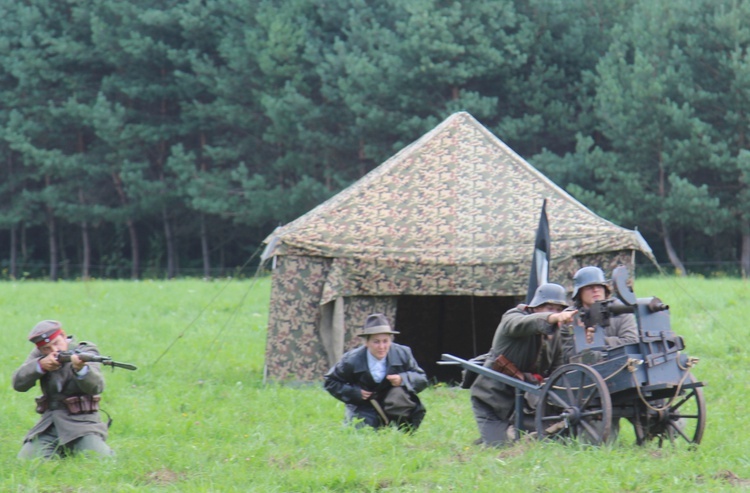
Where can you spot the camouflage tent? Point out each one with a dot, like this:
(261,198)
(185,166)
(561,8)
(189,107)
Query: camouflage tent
(439,238)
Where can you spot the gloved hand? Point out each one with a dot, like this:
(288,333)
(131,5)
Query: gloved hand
(533,378)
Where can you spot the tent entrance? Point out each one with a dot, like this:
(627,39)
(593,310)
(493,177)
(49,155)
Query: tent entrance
(459,325)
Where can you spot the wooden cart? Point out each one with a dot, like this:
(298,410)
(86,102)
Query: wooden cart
(648,383)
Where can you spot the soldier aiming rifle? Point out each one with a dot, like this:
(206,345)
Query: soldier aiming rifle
(71,384)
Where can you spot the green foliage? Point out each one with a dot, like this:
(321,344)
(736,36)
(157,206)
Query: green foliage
(213,122)
(196,415)
(661,152)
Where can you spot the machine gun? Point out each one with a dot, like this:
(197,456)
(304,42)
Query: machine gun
(657,341)
(599,313)
(64,357)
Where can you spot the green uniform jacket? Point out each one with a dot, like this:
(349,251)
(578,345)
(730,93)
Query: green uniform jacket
(519,337)
(58,385)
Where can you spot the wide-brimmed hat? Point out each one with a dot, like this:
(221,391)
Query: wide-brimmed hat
(377,323)
(45,331)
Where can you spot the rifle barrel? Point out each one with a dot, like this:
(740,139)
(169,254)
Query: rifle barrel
(124,366)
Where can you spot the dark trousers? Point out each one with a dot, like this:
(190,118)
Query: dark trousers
(366,415)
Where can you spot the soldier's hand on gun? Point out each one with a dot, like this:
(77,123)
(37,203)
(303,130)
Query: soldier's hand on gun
(49,362)
(77,362)
(366,394)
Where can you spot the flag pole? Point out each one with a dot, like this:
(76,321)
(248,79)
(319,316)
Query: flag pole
(540,259)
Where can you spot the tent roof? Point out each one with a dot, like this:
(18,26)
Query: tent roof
(456,196)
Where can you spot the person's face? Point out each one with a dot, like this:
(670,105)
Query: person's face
(59,343)
(591,294)
(379,344)
(548,307)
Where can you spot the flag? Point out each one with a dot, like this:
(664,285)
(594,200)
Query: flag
(540,260)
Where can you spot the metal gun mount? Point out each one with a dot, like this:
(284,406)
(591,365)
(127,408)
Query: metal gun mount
(648,382)
(657,340)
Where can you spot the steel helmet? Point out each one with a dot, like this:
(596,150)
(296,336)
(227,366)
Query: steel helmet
(549,293)
(589,276)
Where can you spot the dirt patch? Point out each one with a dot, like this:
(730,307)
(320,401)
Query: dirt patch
(164,477)
(732,478)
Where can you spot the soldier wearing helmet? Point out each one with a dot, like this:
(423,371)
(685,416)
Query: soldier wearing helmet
(525,338)
(590,286)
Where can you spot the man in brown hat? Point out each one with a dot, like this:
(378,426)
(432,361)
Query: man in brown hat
(372,378)
(69,403)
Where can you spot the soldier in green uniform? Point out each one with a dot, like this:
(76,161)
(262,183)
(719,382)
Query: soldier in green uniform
(590,286)
(69,403)
(527,337)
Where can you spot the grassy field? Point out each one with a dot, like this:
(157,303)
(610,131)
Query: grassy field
(196,416)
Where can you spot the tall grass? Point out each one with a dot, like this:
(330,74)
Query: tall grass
(196,416)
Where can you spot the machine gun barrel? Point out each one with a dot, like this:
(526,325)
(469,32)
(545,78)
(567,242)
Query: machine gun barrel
(600,312)
(656,305)
(617,309)
(64,357)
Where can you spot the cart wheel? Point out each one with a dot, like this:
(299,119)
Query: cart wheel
(681,423)
(575,403)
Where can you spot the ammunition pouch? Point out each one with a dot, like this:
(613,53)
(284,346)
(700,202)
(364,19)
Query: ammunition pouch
(42,404)
(507,367)
(77,404)
(82,404)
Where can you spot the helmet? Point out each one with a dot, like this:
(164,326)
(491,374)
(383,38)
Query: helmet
(549,293)
(589,276)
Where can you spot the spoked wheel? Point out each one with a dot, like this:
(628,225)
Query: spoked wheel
(679,422)
(575,404)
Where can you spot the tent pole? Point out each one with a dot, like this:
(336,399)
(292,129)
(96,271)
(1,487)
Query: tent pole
(473,327)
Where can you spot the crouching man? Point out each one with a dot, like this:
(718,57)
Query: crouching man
(69,403)
(379,381)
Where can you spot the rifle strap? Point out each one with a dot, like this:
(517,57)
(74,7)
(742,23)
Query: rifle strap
(380,411)
(109,418)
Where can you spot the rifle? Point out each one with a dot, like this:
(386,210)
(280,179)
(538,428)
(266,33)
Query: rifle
(64,357)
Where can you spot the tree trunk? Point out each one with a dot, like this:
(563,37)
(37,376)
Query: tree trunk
(24,246)
(13,271)
(222,261)
(204,248)
(51,227)
(64,261)
(14,252)
(86,267)
(745,259)
(204,230)
(671,253)
(171,270)
(135,269)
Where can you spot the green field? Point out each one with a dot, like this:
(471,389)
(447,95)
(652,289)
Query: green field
(196,416)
